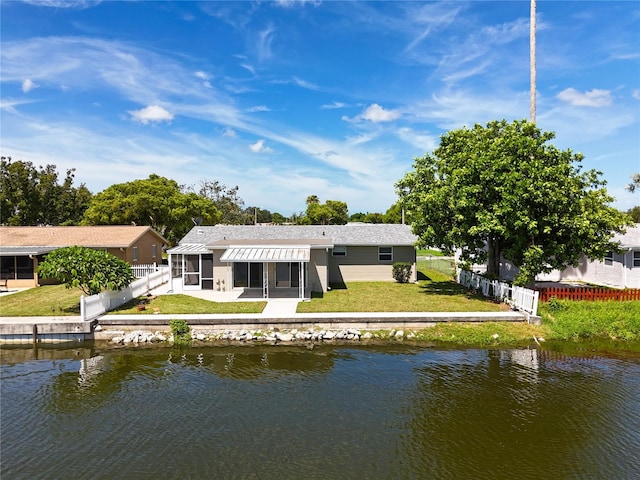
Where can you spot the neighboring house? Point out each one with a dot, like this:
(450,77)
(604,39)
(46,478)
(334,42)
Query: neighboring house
(620,270)
(22,248)
(300,258)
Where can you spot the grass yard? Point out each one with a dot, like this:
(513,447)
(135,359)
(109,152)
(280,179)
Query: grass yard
(434,292)
(42,301)
(178,303)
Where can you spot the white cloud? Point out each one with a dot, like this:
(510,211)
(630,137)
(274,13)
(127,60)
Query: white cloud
(265,37)
(293,3)
(259,108)
(593,98)
(334,105)
(376,114)
(260,147)
(28,85)
(305,84)
(77,4)
(151,114)
(205,77)
(636,94)
(229,132)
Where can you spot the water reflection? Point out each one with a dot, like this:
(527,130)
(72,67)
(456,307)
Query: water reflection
(289,412)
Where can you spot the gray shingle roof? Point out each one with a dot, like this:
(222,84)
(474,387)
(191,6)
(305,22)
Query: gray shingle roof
(350,234)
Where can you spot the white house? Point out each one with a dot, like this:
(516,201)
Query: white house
(620,270)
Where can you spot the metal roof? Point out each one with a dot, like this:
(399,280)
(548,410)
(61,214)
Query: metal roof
(24,251)
(267,254)
(186,249)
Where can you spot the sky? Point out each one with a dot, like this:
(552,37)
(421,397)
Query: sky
(287,99)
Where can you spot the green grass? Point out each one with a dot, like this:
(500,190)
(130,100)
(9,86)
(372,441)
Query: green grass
(434,292)
(573,320)
(50,300)
(41,301)
(428,252)
(178,303)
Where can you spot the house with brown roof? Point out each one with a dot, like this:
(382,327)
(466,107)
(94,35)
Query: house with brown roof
(288,260)
(22,248)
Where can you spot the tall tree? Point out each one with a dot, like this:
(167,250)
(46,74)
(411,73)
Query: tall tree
(635,183)
(34,196)
(502,191)
(226,200)
(332,212)
(156,201)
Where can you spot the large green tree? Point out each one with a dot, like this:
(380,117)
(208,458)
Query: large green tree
(31,195)
(156,201)
(332,212)
(92,271)
(226,200)
(502,191)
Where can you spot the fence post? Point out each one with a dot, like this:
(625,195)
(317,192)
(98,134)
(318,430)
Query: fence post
(83,308)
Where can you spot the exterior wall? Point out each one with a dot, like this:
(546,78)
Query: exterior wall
(145,250)
(621,274)
(361,264)
(318,280)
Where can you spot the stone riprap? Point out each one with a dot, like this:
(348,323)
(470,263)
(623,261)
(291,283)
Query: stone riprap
(262,336)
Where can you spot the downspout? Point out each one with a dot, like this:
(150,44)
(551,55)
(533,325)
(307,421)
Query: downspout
(624,265)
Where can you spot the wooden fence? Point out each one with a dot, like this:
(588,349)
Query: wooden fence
(588,293)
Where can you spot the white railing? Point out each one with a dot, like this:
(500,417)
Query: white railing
(95,305)
(523,299)
(142,270)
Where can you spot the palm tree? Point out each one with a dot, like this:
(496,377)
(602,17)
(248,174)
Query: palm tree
(635,183)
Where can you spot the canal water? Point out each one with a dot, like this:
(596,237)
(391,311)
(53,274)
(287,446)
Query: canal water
(342,412)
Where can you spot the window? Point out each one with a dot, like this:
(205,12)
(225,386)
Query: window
(154,251)
(339,251)
(608,258)
(385,254)
(636,258)
(135,254)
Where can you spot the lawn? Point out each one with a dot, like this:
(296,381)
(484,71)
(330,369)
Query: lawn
(50,300)
(434,292)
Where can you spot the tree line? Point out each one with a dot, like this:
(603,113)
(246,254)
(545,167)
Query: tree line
(31,195)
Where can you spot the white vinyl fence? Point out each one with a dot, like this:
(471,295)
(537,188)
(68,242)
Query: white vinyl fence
(142,270)
(523,299)
(95,305)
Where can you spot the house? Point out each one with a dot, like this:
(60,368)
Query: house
(619,270)
(22,248)
(297,258)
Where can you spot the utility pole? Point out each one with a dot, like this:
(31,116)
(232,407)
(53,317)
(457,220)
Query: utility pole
(532,60)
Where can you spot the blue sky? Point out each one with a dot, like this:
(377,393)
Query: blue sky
(292,98)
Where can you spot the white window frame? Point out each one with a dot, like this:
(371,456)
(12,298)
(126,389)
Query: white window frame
(154,250)
(636,258)
(384,254)
(609,257)
(134,254)
(339,251)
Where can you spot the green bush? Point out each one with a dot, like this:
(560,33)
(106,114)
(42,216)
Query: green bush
(180,330)
(402,272)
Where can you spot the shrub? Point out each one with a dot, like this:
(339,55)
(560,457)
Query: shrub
(402,272)
(180,330)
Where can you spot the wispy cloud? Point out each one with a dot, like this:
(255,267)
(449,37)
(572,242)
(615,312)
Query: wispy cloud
(259,108)
(263,45)
(151,114)
(593,98)
(333,105)
(77,4)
